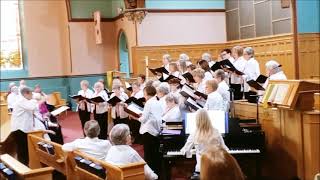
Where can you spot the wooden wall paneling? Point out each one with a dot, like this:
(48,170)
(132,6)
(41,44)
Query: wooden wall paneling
(311,143)
(309,55)
(279,48)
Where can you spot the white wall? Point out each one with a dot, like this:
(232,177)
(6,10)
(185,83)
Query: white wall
(182,28)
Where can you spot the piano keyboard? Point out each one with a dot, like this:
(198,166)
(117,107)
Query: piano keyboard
(232,151)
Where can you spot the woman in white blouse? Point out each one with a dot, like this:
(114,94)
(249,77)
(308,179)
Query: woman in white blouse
(84,107)
(223,87)
(198,76)
(117,112)
(100,110)
(136,91)
(162,91)
(173,69)
(91,144)
(251,71)
(236,81)
(121,153)
(172,112)
(214,100)
(12,97)
(204,136)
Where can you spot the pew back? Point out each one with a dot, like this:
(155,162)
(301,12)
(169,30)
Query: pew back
(134,171)
(24,172)
(37,156)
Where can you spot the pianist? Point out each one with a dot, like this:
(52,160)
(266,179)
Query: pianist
(204,136)
(121,153)
(217,163)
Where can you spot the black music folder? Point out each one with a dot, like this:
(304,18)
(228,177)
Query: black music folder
(134,109)
(167,78)
(187,91)
(188,76)
(97,99)
(128,86)
(193,104)
(77,97)
(114,100)
(200,94)
(161,70)
(261,79)
(255,84)
(139,101)
(226,64)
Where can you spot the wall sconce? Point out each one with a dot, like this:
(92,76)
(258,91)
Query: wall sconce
(135,15)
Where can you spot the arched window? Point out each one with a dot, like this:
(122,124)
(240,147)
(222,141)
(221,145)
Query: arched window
(11,58)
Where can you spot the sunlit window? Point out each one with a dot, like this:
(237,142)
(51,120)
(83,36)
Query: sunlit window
(11,58)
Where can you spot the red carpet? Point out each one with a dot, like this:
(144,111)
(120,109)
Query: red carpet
(71,130)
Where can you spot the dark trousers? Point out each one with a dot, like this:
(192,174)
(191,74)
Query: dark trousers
(119,120)
(151,146)
(84,117)
(134,128)
(237,94)
(22,147)
(103,123)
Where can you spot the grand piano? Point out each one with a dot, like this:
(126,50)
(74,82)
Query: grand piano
(245,142)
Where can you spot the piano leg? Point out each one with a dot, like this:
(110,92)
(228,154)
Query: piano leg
(166,169)
(258,166)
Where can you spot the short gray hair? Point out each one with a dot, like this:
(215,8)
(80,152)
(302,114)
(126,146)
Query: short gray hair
(85,82)
(119,134)
(249,51)
(164,88)
(273,65)
(206,56)
(172,98)
(184,57)
(167,57)
(92,129)
(99,84)
(25,90)
(220,73)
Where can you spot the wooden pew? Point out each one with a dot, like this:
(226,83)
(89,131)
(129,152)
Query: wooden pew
(5,121)
(24,172)
(38,157)
(56,100)
(134,171)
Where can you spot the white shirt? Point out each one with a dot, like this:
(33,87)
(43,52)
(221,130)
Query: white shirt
(138,95)
(239,64)
(214,102)
(216,139)
(122,114)
(175,74)
(163,103)
(94,147)
(223,90)
(103,106)
(211,63)
(22,115)
(277,76)
(207,76)
(172,115)
(251,72)
(124,155)
(88,94)
(201,87)
(142,86)
(151,117)
(12,99)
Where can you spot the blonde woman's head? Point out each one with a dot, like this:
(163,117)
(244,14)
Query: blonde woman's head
(204,128)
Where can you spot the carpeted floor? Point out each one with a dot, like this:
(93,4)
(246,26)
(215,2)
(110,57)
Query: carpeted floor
(71,130)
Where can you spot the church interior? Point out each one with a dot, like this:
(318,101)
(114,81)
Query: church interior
(160,89)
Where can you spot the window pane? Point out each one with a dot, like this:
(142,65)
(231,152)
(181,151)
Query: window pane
(10,36)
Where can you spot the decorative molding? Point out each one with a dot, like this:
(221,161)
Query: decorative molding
(53,77)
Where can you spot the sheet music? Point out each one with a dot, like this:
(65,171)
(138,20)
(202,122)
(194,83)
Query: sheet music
(217,118)
(135,108)
(59,110)
(188,90)
(127,85)
(191,101)
(165,76)
(281,93)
